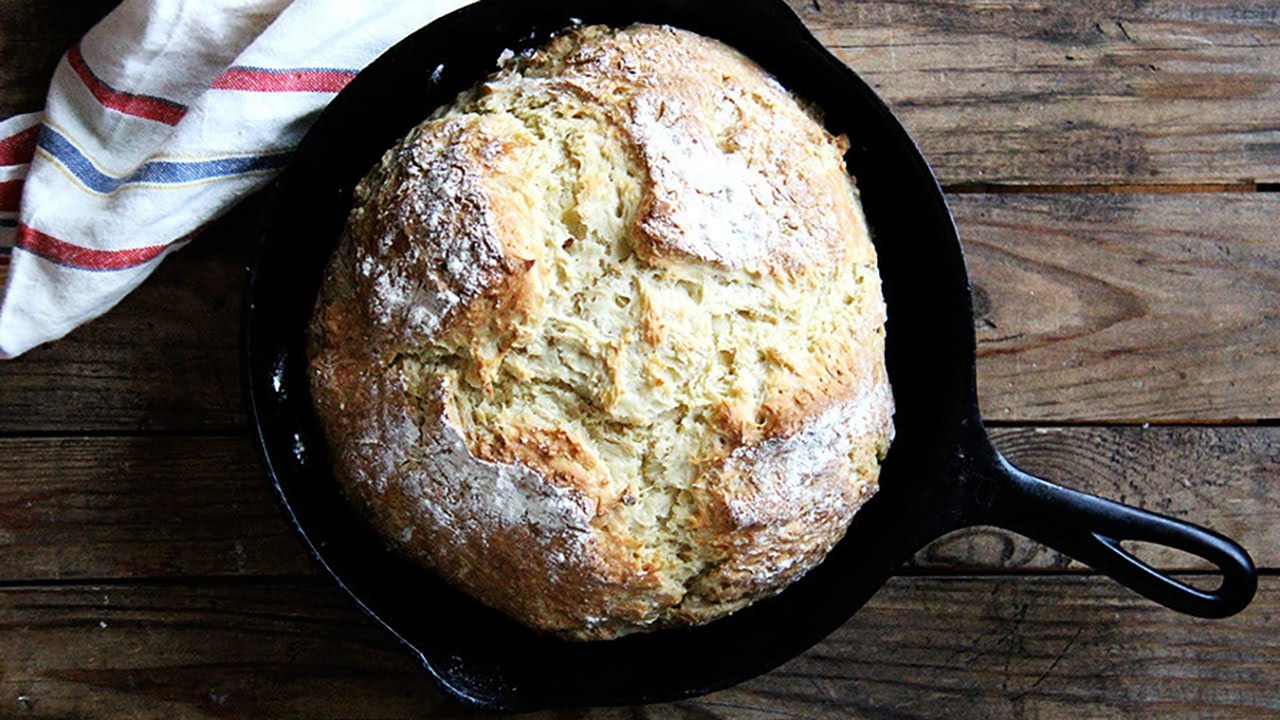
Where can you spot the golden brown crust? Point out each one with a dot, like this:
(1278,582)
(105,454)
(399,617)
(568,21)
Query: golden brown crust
(447,272)
(712,140)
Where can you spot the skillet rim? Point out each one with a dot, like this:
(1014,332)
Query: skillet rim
(275,456)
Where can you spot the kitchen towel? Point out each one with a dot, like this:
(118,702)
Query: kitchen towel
(159,120)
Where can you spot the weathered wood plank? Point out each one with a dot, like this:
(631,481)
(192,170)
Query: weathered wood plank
(166,358)
(1090,92)
(1117,307)
(1023,647)
(153,507)
(199,651)
(1059,647)
(1222,478)
(140,507)
(33,36)
(1085,92)
(1125,308)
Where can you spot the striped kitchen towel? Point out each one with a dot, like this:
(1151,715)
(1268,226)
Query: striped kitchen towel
(164,116)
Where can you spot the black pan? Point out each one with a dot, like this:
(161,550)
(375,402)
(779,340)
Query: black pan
(941,474)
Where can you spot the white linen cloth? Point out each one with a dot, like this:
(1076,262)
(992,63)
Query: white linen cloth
(165,115)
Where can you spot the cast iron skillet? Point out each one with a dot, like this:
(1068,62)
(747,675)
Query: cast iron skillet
(941,474)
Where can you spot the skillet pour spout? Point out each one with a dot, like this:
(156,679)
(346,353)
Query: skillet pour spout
(941,473)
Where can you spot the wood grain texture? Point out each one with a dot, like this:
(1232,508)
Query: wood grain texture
(1149,308)
(1086,92)
(166,358)
(1060,647)
(300,650)
(34,34)
(168,507)
(1047,647)
(1222,478)
(140,507)
(146,571)
(1090,92)
(1108,307)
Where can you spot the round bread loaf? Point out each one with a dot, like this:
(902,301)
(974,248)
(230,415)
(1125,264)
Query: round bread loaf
(603,341)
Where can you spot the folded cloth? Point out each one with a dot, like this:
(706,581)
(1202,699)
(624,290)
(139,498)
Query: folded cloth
(164,116)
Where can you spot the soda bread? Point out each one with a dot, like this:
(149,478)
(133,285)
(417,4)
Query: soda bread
(603,341)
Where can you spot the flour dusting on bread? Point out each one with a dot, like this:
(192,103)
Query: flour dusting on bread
(603,342)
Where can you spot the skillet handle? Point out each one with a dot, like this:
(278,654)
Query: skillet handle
(1090,528)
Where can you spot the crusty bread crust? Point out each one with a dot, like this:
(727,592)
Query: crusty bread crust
(595,468)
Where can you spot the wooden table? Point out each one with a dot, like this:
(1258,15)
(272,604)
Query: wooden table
(1112,167)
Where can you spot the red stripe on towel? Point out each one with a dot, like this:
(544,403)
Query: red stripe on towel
(65,253)
(19,149)
(10,195)
(143,106)
(300,80)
